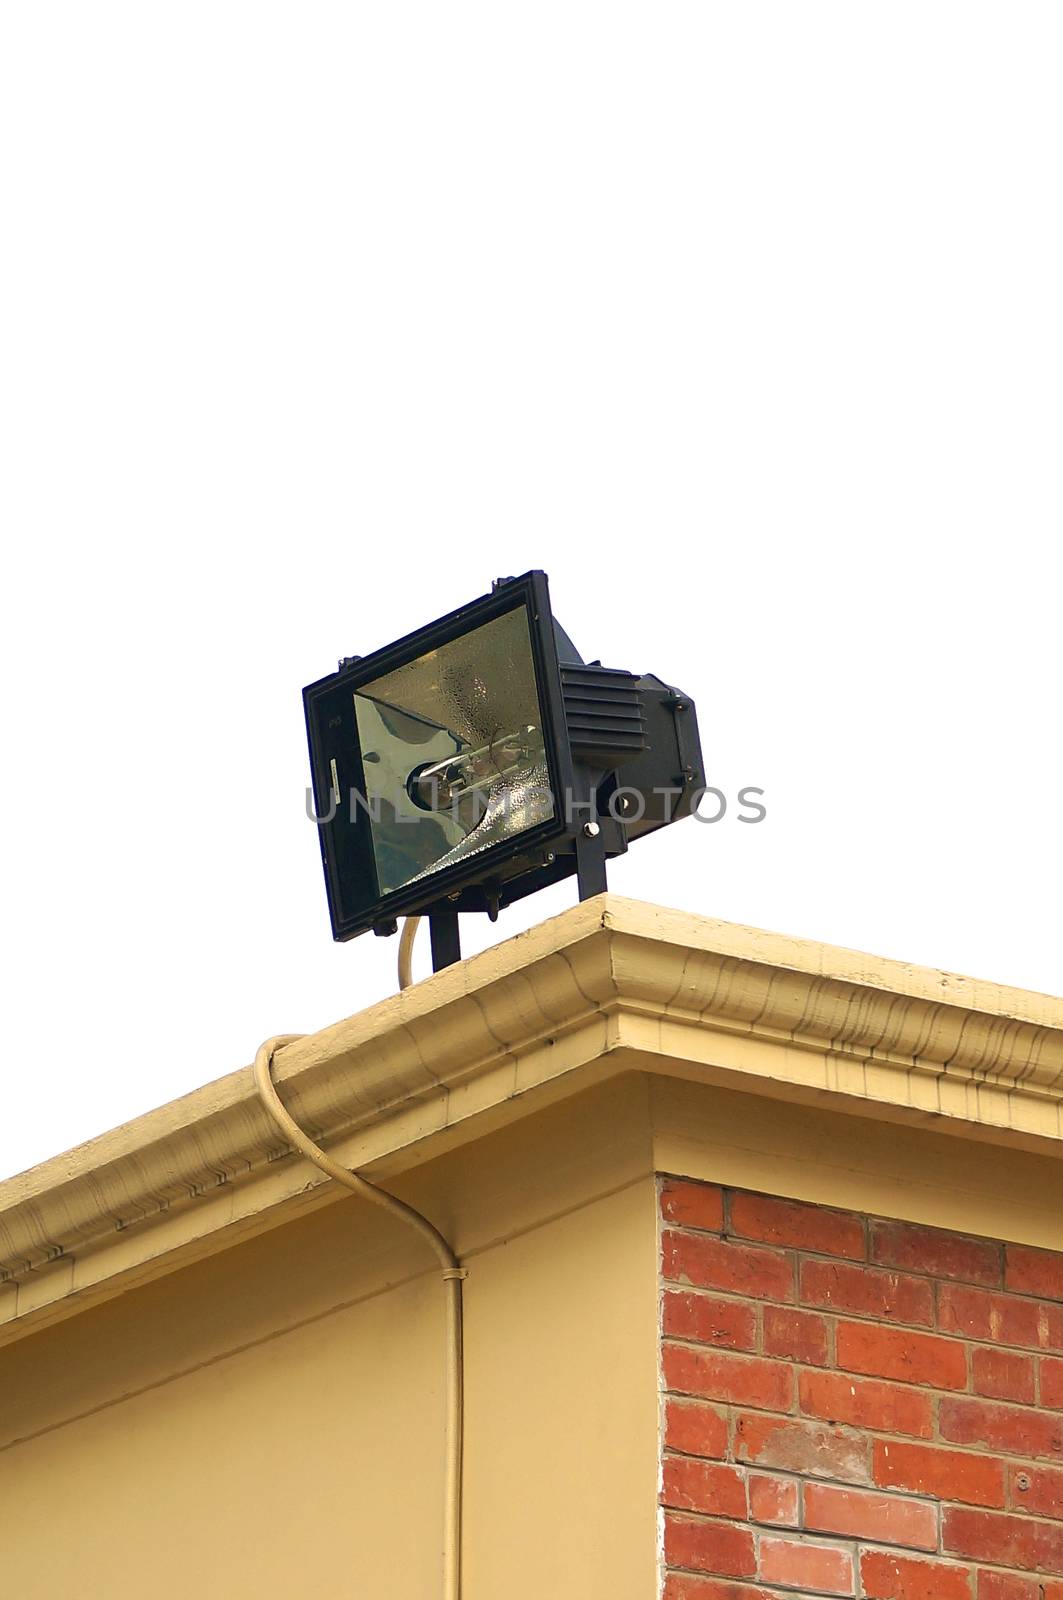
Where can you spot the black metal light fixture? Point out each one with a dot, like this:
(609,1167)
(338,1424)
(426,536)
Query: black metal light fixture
(480,759)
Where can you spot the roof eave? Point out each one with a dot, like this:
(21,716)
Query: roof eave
(608,986)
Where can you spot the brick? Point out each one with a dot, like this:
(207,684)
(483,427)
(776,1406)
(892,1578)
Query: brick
(787,1510)
(821,1568)
(710,1320)
(806,1447)
(1001,1318)
(1042,1495)
(947,1474)
(1013,1430)
(739,1380)
(684,1586)
(868,1291)
(862,1514)
(696,1429)
(864,1403)
(1006,1586)
(797,1226)
(897,1353)
(941,1254)
(705,1486)
(1052,1384)
(886,1576)
(1003,1375)
(1003,1540)
(692,1205)
(1029,1271)
(798,1335)
(708,1263)
(705,1546)
(774,1500)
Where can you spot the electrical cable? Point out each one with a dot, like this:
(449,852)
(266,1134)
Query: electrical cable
(410,926)
(452,1271)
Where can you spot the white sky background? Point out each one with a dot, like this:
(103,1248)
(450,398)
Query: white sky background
(744,322)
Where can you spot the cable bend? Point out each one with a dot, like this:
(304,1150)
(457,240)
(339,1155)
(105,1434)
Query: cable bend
(313,1152)
(410,926)
(452,1271)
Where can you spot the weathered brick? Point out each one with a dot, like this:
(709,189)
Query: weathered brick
(824,1569)
(1037,1491)
(1002,1318)
(709,1263)
(692,1205)
(865,1403)
(705,1486)
(862,1514)
(708,1319)
(695,1428)
(931,1311)
(798,1335)
(1051,1383)
(1003,1540)
(797,1446)
(1003,1374)
(887,1576)
(1013,1430)
(774,1500)
(867,1291)
(961,1475)
(1029,1271)
(798,1226)
(937,1252)
(1007,1586)
(900,1354)
(685,1586)
(739,1380)
(708,1546)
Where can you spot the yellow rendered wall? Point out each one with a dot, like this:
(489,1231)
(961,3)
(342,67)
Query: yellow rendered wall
(267,1422)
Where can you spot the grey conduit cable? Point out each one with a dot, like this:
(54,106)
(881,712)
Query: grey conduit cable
(453,1274)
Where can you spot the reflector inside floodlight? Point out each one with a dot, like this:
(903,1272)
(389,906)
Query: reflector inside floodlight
(453,751)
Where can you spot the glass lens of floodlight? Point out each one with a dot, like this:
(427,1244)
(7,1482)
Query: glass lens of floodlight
(453,752)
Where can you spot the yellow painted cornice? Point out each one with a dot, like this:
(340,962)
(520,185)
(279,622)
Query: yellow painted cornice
(609,986)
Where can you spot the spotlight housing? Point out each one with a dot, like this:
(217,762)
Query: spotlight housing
(480,759)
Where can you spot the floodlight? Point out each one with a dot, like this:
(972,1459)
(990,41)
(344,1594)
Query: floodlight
(479,759)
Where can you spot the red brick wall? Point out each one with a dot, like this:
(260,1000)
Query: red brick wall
(854,1406)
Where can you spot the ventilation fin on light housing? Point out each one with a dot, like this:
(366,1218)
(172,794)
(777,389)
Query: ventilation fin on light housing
(603,710)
